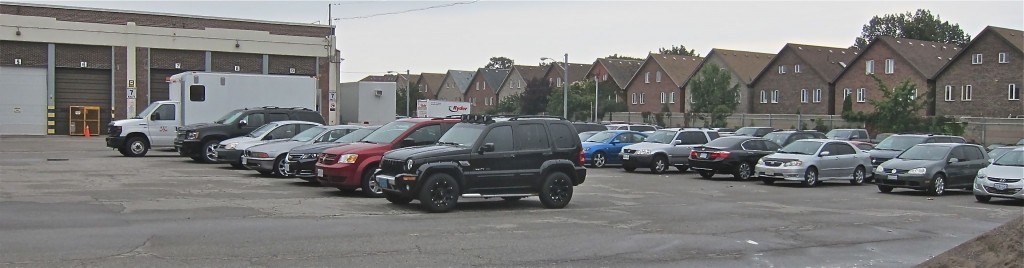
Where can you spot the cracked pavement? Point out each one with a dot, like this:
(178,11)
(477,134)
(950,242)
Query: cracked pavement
(98,209)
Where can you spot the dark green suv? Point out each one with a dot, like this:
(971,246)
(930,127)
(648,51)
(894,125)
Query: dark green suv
(485,157)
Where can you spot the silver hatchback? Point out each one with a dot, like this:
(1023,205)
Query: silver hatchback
(815,160)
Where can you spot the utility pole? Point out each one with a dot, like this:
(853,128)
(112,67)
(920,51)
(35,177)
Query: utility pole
(565,88)
(407,96)
(596,86)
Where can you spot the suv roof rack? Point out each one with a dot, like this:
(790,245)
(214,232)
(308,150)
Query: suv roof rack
(546,117)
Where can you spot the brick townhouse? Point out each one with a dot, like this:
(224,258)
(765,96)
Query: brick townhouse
(743,67)
(796,69)
(517,79)
(619,71)
(658,83)
(429,83)
(453,86)
(985,78)
(482,93)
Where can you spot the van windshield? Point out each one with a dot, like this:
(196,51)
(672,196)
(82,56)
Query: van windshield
(147,111)
(389,132)
(355,136)
(230,117)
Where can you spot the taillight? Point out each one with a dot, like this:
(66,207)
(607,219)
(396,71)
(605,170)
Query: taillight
(693,154)
(582,158)
(719,155)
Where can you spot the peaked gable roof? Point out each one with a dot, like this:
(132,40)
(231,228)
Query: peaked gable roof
(461,79)
(379,78)
(620,70)
(430,79)
(577,71)
(678,68)
(927,58)
(746,64)
(1013,37)
(526,72)
(493,77)
(827,62)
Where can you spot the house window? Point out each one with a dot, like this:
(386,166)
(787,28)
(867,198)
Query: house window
(691,99)
(1013,93)
(664,97)
(642,97)
(551,81)
(647,78)
(860,95)
(604,77)
(803,95)
(477,85)
(634,97)
(657,77)
(889,66)
(846,93)
(1003,57)
(949,93)
(968,91)
(782,69)
(796,68)
(671,97)
(485,85)
(764,97)
(775,96)
(869,67)
(817,95)
(976,59)
(559,80)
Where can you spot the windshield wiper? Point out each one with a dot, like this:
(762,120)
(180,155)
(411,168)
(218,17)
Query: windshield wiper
(449,143)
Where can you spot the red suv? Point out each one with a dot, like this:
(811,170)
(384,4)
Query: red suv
(351,166)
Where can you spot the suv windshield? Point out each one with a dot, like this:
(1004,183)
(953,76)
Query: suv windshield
(924,152)
(462,134)
(230,117)
(309,134)
(801,147)
(355,136)
(661,136)
(899,143)
(602,136)
(838,134)
(388,132)
(778,138)
(261,130)
(1013,158)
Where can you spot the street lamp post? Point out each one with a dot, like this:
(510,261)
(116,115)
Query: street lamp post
(565,84)
(407,85)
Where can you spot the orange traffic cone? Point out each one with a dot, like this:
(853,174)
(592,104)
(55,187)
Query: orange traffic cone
(87,130)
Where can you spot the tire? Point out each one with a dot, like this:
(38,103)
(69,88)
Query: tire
(659,165)
(209,153)
(810,177)
(744,172)
(397,199)
(628,168)
(858,176)
(768,181)
(556,191)
(281,166)
(683,168)
(983,198)
(707,174)
(135,147)
(439,193)
(369,185)
(599,160)
(938,185)
(885,189)
(513,198)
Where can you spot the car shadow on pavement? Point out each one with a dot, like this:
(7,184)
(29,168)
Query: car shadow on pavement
(909,192)
(304,183)
(796,184)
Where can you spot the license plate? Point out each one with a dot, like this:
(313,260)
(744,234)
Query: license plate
(244,161)
(625,157)
(1000,186)
(383,183)
(319,172)
(893,177)
(704,156)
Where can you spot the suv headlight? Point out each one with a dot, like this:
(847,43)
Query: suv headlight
(348,158)
(408,165)
(796,163)
(192,135)
(231,146)
(643,151)
(918,171)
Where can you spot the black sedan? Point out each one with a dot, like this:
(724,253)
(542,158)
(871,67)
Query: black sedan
(734,155)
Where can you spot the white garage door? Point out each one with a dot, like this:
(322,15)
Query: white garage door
(22,101)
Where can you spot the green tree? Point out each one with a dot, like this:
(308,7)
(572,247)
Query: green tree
(713,95)
(400,98)
(609,92)
(509,105)
(622,57)
(920,25)
(581,101)
(500,63)
(897,111)
(535,96)
(680,50)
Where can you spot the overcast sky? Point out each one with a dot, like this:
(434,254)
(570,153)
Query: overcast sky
(464,35)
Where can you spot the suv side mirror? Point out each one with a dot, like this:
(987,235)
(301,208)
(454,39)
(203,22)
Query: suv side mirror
(954,160)
(486,148)
(155,116)
(242,123)
(407,142)
(825,153)
(675,142)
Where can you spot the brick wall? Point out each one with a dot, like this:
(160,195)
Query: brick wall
(142,78)
(163,21)
(325,83)
(71,56)
(651,92)
(514,85)
(120,107)
(855,78)
(187,59)
(789,86)
(31,54)
(247,63)
(989,81)
(279,64)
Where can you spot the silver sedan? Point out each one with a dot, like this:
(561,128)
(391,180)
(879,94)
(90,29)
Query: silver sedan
(813,161)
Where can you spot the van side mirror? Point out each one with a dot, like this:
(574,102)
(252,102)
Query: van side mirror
(825,153)
(486,148)
(155,116)
(407,142)
(242,123)
(675,142)
(954,160)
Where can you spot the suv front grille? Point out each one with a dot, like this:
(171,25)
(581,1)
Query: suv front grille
(391,165)
(1003,180)
(114,131)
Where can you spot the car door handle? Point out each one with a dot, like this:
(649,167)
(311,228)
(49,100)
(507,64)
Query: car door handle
(143,124)
(546,154)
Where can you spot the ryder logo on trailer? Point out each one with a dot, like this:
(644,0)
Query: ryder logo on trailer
(456,108)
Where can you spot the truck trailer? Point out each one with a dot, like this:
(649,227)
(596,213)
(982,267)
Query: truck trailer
(439,108)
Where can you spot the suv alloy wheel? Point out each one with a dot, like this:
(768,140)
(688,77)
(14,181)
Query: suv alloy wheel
(556,190)
(440,193)
(209,154)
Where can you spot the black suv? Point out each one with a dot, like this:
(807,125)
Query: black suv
(199,141)
(484,157)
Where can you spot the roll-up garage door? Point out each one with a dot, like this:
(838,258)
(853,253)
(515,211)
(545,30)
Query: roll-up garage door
(158,86)
(22,101)
(82,87)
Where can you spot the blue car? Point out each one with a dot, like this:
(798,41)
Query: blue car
(603,148)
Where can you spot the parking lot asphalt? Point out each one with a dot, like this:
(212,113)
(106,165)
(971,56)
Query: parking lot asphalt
(68,201)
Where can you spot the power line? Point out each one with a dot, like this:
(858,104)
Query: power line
(408,10)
